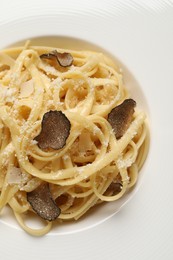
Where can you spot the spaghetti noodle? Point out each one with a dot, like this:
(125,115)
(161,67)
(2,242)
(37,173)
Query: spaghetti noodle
(93,165)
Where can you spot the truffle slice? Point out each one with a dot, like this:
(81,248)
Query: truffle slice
(42,203)
(115,188)
(55,130)
(64,59)
(121,116)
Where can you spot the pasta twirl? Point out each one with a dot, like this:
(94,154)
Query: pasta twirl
(92,165)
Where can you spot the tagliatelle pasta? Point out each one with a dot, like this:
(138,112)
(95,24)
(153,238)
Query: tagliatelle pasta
(91,164)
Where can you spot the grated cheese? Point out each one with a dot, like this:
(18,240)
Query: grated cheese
(124,163)
(26,89)
(66,157)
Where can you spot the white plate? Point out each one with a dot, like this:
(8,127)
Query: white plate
(140,36)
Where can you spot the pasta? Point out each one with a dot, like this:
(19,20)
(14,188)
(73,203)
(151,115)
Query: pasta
(92,165)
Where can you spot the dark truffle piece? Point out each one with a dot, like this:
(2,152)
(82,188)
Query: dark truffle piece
(115,188)
(64,59)
(121,116)
(42,203)
(55,129)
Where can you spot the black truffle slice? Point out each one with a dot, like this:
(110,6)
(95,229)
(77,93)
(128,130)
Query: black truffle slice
(42,203)
(121,116)
(55,129)
(115,188)
(64,59)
